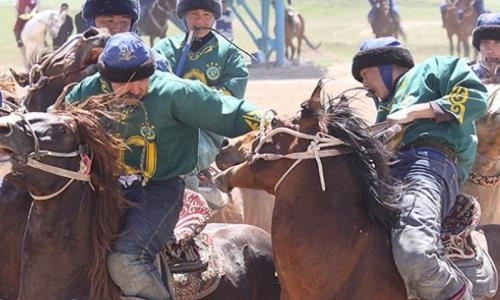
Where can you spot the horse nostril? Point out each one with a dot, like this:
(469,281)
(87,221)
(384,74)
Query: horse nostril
(5,129)
(92,31)
(225,144)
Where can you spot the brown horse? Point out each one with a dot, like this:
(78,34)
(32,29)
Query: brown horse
(76,213)
(484,181)
(295,28)
(155,24)
(334,203)
(384,24)
(459,20)
(54,70)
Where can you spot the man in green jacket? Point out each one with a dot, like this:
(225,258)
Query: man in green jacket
(199,54)
(439,100)
(161,116)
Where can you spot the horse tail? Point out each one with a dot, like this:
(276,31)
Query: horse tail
(310,44)
(400,31)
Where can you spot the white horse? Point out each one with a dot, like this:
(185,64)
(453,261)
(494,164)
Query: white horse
(484,181)
(35,31)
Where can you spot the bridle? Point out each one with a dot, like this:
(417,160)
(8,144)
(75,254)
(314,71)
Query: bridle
(315,150)
(33,160)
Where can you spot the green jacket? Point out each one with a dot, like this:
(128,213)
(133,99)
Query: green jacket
(217,63)
(449,82)
(176,109)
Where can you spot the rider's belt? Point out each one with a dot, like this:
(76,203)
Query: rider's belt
(446,150)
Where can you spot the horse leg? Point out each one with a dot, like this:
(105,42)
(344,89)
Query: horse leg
(466,47)
(292,47)
(450,39)
(299,45)
(14,210)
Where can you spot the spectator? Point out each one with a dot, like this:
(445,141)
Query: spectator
(24,10)
(66,29)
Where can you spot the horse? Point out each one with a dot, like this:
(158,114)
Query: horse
(484,180)
(384,24)
(68,163)
(33,35)
(55,70)
(155,24)
(335,202)
(459,20)
(295,28)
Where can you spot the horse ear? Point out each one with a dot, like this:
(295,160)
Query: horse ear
(314,102)
(21,78)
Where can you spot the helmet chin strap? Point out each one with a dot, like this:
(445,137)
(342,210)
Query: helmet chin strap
(386,74)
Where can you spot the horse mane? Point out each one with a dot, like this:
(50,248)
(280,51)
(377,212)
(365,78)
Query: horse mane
(38,56)
(107,202)
(383,193)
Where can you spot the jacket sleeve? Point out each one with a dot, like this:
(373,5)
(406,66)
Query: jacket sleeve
(461,91)
(235,78)
(203,107)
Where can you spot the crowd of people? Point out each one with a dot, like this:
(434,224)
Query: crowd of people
(181,97)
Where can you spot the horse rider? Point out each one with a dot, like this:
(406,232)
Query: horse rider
(486,39)
(117,16)
(440,99)
(161,116)
(393,10)
(478,6)
(201,55)
(24,10)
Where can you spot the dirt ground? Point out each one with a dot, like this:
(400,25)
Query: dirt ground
(285,88)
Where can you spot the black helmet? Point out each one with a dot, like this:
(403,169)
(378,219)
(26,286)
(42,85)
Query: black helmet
(213,6)
(94,8)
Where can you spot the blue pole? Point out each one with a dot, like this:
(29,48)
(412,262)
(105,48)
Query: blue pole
(185,51)
(280,32)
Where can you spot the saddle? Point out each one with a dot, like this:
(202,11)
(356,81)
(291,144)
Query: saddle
(194,270)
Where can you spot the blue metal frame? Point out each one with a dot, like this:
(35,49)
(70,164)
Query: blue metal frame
(265,42)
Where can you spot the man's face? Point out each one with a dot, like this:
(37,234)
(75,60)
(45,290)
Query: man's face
(131,91)
(490,50)
(372,80)
(114,23)
(198,18)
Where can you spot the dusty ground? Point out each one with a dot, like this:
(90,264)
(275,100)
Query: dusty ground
(283,89)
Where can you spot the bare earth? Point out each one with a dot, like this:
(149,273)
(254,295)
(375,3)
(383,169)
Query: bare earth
(284,89)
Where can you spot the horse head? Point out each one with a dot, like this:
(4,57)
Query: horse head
(52,71)
(243,157)
(69,164)
(31,137)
